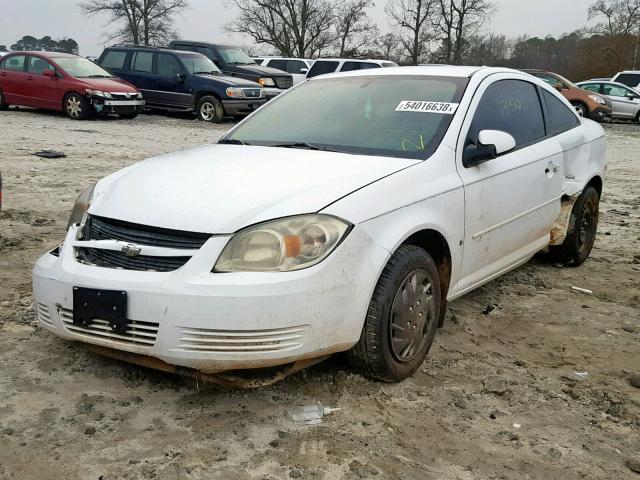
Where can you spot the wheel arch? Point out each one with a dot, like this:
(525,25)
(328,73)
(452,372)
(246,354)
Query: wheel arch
(597,183)
(436,245)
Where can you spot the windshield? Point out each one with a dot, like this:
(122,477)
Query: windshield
(235,56)
(398,116)
(81,68)
(197,63)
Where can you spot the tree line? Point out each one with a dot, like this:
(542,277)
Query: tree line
(46,43)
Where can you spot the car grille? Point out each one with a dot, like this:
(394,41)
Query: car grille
(241,341)
(100,228)
(124,96)
(138,333)
(284,82)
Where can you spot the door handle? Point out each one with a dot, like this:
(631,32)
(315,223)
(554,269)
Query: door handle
(30,77)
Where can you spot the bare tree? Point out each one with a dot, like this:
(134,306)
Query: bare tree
(143,22)
(414,20)
(295,28)
(354,30)
(387,46)
(618,20)
(457,22)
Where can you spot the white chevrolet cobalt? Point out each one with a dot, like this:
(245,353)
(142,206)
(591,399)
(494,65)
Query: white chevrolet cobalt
(341,216)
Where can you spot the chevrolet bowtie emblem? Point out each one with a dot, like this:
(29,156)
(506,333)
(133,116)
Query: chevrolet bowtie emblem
(131,250)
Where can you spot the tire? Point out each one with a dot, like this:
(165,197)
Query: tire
(638,118)
(76,107)
(388,350)
(581,108)
(210,109)
(3,105)
(128,116)
(583,226)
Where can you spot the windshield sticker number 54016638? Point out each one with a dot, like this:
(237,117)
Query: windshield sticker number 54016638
(427,107)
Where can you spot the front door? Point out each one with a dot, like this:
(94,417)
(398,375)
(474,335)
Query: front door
(172,81)
(512,201)
(41,90)
(625,101)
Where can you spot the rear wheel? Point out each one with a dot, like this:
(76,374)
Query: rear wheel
(581,108)
(583,226)
(3,105)
(210,109)
(76,107)
(402,318)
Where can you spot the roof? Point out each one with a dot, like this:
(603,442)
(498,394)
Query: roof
(45,54)
(438,71)
(337,59)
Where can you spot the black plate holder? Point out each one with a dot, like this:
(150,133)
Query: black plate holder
(109,305)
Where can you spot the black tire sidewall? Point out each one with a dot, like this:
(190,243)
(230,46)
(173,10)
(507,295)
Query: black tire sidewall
(84,114)
(3,105)
(585,111)
(216,103)
(407,259)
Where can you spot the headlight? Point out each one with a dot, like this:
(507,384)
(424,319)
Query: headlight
(139,94)
(267,82)
(282,245)
(235,92)
(98,93)
(597,99)
(81,206)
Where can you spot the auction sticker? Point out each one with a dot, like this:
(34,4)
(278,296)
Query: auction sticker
(427,107)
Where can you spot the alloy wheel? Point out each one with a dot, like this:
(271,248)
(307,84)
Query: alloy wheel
(412,312)
(587,232)
(207,111)
(74,107)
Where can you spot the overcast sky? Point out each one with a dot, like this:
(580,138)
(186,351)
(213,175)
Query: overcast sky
(205,20)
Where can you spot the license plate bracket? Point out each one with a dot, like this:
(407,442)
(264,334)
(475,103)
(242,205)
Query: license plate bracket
(92,303)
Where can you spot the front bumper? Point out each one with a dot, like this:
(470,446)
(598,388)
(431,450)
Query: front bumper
(273,92)
(242,107)
(103,105)
(214,322)
(600,114)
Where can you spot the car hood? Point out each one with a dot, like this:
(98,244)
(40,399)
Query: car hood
(109,85)
(261,71)
(223,188)
(229,81)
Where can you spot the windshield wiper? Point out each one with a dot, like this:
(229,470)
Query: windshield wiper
(303,146)
(99,76)
(238,63)
(232,141)
(211,72)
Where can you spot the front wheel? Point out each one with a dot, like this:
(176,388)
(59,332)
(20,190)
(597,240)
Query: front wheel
(583,226)
(3,105)
(76,107)
(210,109)
(581,109)
(402,318)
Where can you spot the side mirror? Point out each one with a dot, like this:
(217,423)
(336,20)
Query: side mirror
(49,73)
(304,70)
(491,143)
(181,77)
(632,96)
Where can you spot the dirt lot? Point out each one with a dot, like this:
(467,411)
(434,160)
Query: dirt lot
(490,403)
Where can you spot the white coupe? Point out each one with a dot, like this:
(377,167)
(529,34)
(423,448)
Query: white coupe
(341,216)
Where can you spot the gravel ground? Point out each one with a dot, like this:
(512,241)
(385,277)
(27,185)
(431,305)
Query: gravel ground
(495,399)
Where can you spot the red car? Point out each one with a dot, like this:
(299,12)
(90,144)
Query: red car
(63,82)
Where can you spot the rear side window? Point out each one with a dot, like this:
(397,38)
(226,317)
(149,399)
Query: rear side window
(348,66)
(167,65)
(629,79)
(320,68)
(510,106)
(560,118)
(38,65)
(142,62)
(14,63)
(114,59)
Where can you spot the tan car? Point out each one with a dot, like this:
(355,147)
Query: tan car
(587,104)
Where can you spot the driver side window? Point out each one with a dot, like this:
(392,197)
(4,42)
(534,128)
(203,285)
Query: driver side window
(510,106)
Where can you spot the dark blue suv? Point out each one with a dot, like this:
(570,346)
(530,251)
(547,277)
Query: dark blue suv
(183,81)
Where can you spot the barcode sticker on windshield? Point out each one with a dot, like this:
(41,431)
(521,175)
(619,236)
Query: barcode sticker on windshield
(427,107)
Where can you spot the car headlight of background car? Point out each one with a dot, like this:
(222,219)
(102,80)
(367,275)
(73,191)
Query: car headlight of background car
(81,206)
(267,82)
(597,99)
(282,245)
(98,93)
